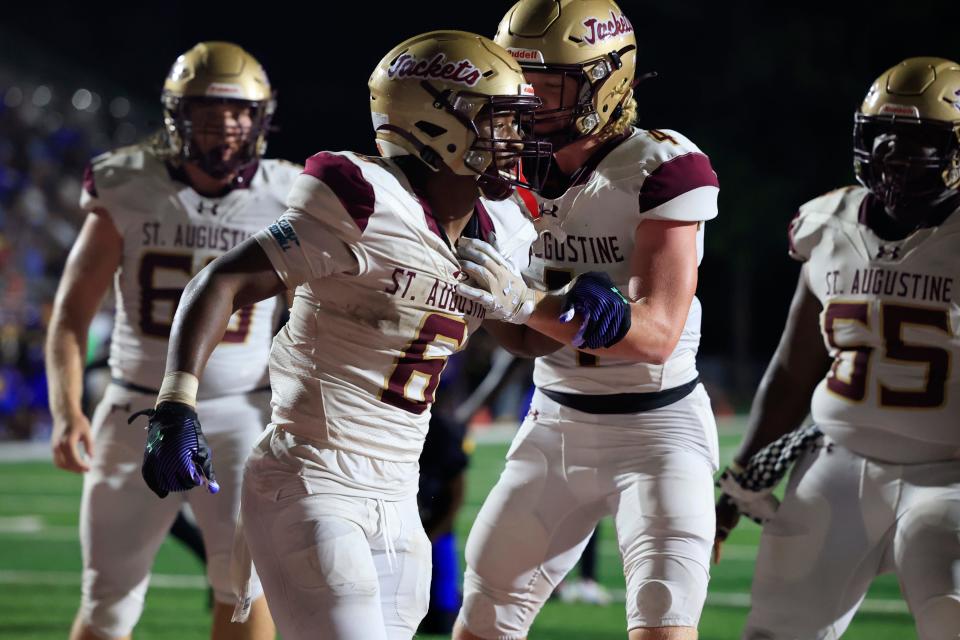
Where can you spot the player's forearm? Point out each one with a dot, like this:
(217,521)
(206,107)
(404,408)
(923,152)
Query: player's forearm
(243,276)
(652,338)
(200,322)
(64,357)
(521,340)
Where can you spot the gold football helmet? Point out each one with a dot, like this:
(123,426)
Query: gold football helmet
(907,137)
(216,71)
(590,40)
(443,97)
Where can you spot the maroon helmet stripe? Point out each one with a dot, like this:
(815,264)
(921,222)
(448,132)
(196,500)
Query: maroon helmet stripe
(346,181)
(88,184)
(676,177)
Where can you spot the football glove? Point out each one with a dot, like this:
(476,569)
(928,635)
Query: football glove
(605,312)
(750,488)
(176,457)
(494,283)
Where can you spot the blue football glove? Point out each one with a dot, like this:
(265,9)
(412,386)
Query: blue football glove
(176,457)
(606,313)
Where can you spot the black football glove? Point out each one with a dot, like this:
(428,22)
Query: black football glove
(176,456)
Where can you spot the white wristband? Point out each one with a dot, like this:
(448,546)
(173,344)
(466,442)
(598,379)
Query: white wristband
(179,386)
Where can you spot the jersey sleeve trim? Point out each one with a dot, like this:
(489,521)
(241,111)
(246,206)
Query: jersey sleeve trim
(676,177)
(347,182)
(89,198)
(693,206)
(274,251)
(89,184)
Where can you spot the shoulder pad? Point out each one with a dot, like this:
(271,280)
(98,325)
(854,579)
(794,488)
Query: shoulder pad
(115,178)
(332,184)
(644,151)
(278,176)
(806,228)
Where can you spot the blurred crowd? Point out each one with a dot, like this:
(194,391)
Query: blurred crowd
(48,132)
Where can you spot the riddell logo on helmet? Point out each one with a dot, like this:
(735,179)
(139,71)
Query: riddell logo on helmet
(459,72)
(224,89)
(890,109)
(599,30)
(526,55)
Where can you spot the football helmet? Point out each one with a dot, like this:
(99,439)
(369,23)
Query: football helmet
(591,41)
(216,72)
(906,139)
(445,97)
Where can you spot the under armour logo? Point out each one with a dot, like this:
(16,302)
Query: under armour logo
(888,252)
(213,207)
(552,211)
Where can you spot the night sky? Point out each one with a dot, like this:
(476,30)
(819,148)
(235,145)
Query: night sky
(766,90)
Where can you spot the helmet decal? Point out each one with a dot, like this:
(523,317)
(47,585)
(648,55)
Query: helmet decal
(460,72)
(600,29)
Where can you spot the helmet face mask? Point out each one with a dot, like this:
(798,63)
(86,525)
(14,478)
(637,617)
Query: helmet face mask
(501,146)
(220,136)
(903,163)
(217,108)
(906,140)
(456,99)
(574,114)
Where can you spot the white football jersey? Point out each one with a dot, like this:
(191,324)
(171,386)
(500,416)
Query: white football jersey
(170,232)
(890,321)
(655,175)
(375,314)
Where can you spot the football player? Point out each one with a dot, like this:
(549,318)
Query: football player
(158,212)
(869,349)
(329,494)
(621,426)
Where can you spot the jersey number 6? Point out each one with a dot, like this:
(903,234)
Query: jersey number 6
(416,374)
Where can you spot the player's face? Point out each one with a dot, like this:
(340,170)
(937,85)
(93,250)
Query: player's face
(504,129)
(556,91)
(220,129)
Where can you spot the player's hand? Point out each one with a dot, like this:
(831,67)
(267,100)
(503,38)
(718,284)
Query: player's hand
(176,457)
(727,518)
(67,434)
(493,283)
(758,504)
(605,315)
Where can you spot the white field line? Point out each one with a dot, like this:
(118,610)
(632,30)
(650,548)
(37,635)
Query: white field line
(732,600)
(66,579)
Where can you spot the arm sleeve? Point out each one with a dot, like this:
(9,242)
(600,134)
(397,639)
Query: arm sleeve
(320,234)
(683,188)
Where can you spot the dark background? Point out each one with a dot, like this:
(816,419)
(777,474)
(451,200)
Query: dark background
(767,90)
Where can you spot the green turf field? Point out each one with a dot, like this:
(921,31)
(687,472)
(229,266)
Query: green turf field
(40,571)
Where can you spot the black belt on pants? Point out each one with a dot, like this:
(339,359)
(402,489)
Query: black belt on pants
(622,402)
(134,387)
(139,389)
